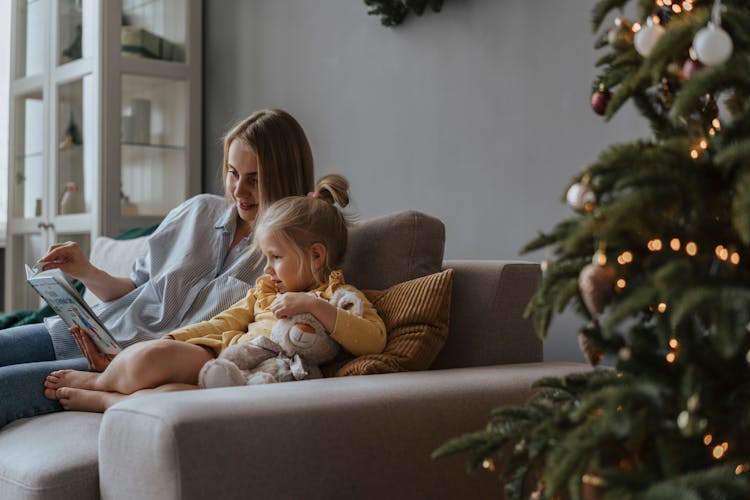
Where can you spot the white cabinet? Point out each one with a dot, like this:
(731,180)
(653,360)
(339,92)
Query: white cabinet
(105,122)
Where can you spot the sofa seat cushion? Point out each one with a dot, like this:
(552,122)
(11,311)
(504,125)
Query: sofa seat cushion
(50,457)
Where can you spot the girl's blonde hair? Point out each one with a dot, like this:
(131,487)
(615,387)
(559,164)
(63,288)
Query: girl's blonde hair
(285,161)
(300,221)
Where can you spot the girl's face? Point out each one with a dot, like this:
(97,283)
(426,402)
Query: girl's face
(241,181)
(284,266)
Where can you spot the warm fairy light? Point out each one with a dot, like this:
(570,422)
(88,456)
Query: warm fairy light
(703,144)
(694,154)
(621,283)
(707,439)
(660,3)
(625,257)
(674,244)
(674,343)
(712,131)
(671,357)
(662,307)
(600,258)
(636,27)
(676,8)
(666,2)
(687,6)
(654,245)
(718,452)
(716,123)
(721,252)
(488,465)
(691,249)
(734,258)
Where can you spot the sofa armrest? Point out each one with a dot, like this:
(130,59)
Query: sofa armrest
(351,437)
(487,326)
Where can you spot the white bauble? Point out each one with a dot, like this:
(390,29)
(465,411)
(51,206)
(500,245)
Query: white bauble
(647,37)
(712,45)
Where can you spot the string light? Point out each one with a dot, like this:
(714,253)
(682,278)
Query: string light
(687,6)
(707,439)
(691,249)
(621,283)
(625,258)
(703,144)
(720,450)
(674,343)
(721,252)
(674,244)
(734,258)
(488,464)
(716,123)
(712,131)
(636,27)
(654,245)
(661,307)
(694,154)
(671,357)
(676,8)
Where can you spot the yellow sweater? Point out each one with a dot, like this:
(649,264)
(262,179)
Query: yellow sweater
(252,317)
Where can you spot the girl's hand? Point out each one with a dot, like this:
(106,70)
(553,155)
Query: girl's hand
(69,258)
(291,303)
(98,361)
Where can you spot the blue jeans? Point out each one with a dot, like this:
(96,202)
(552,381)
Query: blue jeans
(26,358)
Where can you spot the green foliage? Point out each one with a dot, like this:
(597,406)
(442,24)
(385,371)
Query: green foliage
(671,418)
(393,12)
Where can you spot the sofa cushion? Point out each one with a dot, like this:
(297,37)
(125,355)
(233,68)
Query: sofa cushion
(416,315)
(116,257)
(50,457)
(393,248)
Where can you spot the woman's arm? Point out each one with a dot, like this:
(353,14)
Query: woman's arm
(70,259)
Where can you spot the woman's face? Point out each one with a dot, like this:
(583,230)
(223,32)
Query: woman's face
(241,181)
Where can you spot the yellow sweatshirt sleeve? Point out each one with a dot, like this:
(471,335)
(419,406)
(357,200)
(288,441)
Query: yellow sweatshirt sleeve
(360,335)
(236,318)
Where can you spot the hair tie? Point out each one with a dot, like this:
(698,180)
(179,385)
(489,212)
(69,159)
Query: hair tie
(313,194)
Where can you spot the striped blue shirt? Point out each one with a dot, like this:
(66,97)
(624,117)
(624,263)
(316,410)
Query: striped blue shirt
(188,275)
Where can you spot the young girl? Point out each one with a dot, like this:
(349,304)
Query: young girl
(195,266)
(303,239)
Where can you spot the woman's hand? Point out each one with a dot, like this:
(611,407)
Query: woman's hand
(69,258)
(98,361)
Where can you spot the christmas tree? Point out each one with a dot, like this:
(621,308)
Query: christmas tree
(656,259)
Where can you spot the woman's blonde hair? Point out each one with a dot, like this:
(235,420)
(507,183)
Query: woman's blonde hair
(285,161)
(301,221)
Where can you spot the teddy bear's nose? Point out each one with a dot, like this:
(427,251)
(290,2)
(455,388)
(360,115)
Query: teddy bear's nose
(305,327)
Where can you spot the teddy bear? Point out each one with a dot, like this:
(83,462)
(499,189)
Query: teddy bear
(295,349)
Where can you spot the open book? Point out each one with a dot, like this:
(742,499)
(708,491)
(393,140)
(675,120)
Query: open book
(70,306)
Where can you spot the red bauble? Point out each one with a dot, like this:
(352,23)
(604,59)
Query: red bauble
(690,67)
(599,100)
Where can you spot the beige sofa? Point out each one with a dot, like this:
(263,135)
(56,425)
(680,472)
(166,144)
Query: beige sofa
(349,437)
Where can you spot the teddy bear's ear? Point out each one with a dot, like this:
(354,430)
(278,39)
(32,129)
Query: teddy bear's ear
(348,301)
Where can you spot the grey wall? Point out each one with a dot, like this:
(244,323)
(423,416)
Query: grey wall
(478,115)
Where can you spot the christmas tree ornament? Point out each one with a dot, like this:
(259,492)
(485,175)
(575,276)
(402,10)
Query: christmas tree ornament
(600,99)
(596,283)
(712,44)
(690,67)
(581,196)
(647,37)
(620,37)
(593,355)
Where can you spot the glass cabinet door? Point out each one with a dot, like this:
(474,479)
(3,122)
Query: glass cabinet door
(76,30)
(155,29)
(30,38)
(73,193)
(27,250)
(153,160)
(28,163)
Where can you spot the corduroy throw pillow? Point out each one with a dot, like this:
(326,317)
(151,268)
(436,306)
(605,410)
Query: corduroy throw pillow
(416,315)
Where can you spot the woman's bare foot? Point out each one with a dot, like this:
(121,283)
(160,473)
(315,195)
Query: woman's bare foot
(69,378)
(75,399)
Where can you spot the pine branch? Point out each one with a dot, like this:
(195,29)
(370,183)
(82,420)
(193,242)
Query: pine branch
(602,9)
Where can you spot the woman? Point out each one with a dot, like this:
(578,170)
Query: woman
(196,265)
